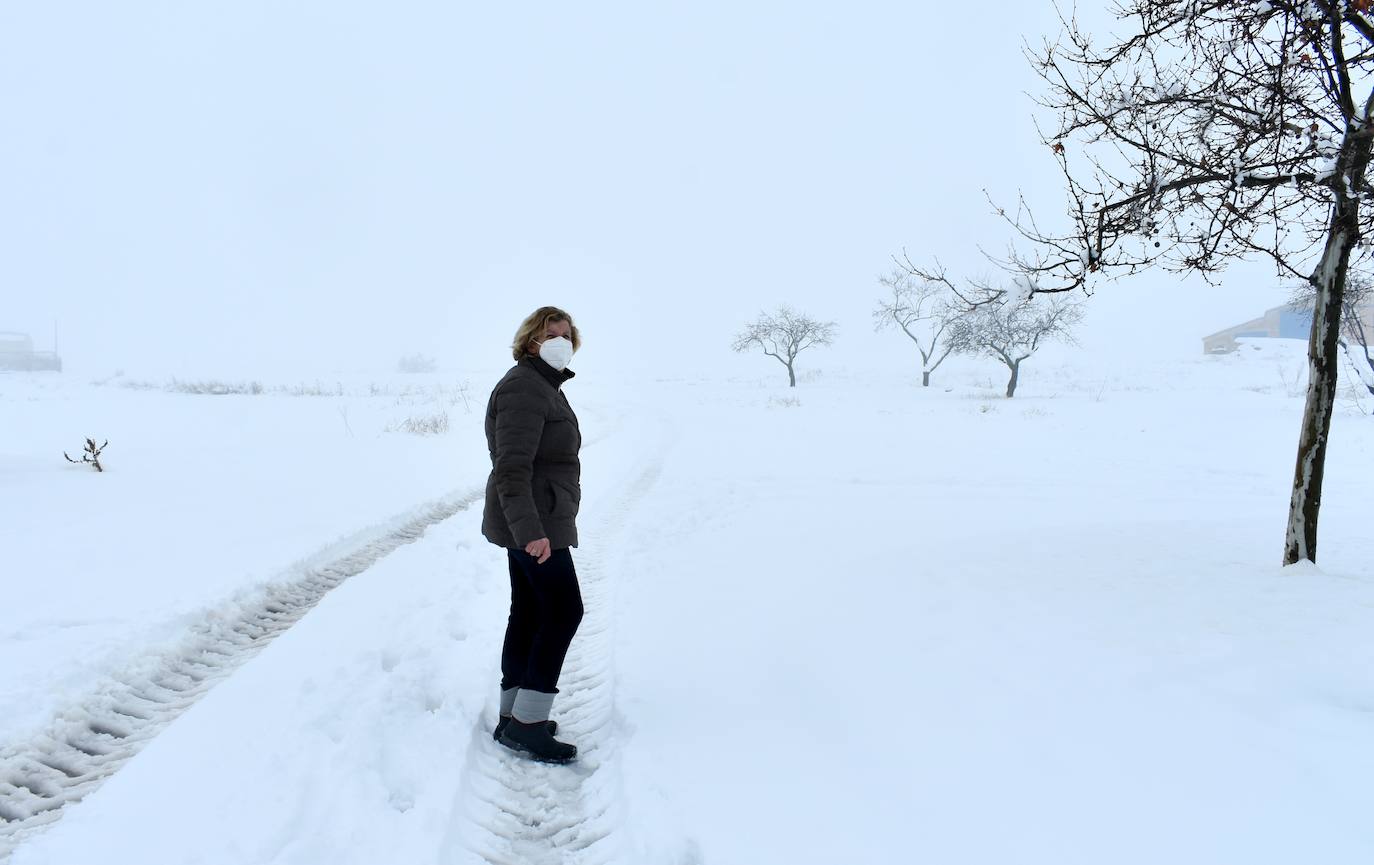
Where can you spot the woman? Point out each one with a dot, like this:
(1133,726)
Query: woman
(531,509)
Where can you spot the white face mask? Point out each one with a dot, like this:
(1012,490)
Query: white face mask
(556,352)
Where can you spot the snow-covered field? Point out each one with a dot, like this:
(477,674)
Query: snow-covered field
(855,622)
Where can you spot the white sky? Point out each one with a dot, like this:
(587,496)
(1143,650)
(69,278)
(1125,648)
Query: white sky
(324,186)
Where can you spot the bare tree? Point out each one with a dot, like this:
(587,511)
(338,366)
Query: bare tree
(1011,332)
(783,335)
(1357,344)
(1212,130)
(1354,333)
(921,308)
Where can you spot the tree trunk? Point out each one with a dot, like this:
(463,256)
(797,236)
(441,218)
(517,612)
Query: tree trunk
(1323,361)
(1015,374)
(791,376)
(1323,347)
(925,378)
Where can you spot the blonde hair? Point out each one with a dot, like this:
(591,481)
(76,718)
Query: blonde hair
(536,324)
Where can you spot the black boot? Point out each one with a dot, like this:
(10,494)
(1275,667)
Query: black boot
(503,720)
(536,742)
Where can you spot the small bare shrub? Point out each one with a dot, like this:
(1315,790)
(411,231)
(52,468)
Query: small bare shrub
(91,454)
(422,425)
(464,394)
(214,387)
(316,389)
(1294,382)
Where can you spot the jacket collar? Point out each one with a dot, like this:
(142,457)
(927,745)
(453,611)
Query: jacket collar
(551,375)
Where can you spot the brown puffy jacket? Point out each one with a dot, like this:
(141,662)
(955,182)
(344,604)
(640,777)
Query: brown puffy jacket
(534,490)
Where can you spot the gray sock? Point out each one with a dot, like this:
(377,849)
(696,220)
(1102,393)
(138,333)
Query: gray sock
(507,700)
(532,707)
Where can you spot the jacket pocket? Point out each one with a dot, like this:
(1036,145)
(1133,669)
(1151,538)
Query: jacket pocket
(547,500)
(566,499)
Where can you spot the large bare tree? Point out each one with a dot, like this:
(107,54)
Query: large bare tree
(1013,330)
(783,335)
(921,309)
(1357,341)
(1355,335)
(1212,130)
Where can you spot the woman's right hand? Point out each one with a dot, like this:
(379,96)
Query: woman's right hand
(540,550)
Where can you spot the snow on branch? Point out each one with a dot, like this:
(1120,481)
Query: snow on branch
(1011,332)
(1212,130)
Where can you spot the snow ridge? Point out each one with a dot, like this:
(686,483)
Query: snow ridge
(518,812)
(90,740)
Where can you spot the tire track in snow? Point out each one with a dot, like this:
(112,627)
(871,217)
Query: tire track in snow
(519,812)
(90,740)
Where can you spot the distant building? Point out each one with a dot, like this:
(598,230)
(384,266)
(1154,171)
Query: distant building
(16,353)
(1290,321)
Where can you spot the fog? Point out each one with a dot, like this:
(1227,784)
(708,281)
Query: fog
(315,187)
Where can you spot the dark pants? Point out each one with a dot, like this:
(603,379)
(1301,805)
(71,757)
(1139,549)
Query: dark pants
(545,609)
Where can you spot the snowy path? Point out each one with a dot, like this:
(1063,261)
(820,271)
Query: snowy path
(517,812)
(497,808)
(88,742)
